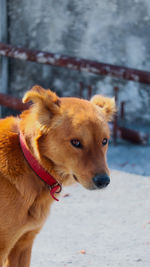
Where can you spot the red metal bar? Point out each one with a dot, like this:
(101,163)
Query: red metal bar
(75,63)
(133,136)
(12,102)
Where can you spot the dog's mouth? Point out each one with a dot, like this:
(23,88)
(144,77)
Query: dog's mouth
(76,179)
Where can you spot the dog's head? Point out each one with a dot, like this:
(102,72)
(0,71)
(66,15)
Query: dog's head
(70,135)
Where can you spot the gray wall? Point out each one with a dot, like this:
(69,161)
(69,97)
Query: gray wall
(111,31)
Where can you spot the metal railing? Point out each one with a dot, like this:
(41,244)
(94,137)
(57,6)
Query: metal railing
(78,64)
(75,63)
(12,102)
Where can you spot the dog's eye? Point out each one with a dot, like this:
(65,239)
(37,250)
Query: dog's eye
(76,143)
(105,141)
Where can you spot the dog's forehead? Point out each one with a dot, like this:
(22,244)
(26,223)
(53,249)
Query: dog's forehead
(81,110)
(83,115)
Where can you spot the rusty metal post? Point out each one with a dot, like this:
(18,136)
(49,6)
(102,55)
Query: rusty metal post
(89,91)
(115,122)
(122,112)
(81,89)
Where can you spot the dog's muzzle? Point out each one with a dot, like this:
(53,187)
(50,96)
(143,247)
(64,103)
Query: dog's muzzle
(101,180)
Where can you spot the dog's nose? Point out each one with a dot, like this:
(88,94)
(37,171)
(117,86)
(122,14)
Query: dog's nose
(101,180)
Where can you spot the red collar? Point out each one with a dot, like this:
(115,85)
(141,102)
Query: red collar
(54,186)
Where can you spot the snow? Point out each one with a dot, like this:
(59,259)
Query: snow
(111,226)
(130,158)
(41,58)
(22,56)
(2,53)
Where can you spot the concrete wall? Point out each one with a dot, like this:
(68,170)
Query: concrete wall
(111,31)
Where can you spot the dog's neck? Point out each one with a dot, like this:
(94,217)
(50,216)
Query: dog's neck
(53,185)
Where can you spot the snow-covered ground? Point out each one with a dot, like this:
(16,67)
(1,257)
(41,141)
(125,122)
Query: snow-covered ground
(130,158)
(109,227)
(102,228)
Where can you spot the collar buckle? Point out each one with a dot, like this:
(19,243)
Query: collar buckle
(55,189)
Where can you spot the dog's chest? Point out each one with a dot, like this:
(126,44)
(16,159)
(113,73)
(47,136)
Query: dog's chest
(39,210)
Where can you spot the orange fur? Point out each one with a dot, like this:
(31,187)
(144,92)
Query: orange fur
(106,104)
(48,126)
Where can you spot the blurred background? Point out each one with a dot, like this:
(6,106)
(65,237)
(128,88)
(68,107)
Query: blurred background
(81,48)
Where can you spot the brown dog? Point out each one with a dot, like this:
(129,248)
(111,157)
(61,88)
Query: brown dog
(66,138)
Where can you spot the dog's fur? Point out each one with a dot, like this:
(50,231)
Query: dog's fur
(48,127)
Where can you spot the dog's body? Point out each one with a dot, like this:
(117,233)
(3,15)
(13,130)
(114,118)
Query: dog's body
(68,137)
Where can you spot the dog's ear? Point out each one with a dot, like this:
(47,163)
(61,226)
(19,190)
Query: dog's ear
(46,103)
(107,105)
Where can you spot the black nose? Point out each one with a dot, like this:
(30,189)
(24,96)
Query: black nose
(101,180)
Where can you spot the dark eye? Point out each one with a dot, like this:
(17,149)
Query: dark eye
(105,141)
(76,143)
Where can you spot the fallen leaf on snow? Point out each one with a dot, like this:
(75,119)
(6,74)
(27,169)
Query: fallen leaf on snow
(82,251)
(66,195)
